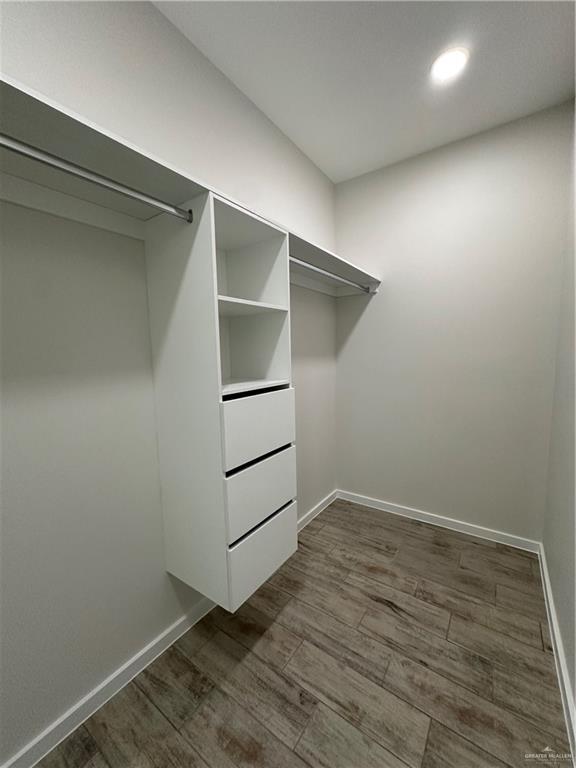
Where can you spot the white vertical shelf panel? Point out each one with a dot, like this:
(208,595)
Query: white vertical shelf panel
(184,328)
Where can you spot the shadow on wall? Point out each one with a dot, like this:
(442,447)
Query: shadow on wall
(351,309)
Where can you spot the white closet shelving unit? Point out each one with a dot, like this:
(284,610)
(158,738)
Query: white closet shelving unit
(220,321)
(219,299)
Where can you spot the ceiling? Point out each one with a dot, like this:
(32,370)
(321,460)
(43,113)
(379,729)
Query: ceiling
(348,82)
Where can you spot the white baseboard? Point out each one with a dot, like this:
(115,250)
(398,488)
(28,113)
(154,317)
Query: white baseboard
(311,514)
(559,655)
(443,522)
(36,749)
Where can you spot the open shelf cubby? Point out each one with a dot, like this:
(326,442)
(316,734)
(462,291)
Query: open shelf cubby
(251,258)
(254,351)
(253,301)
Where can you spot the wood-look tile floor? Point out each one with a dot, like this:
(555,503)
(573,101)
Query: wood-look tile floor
(383,642)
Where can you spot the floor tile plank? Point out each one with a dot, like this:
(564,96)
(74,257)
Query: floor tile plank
(357,650)
(260,633)
(278,702)
(195,638)
(503,650)
(174,685)
(493,729)
(503,620)
(501,574)
(330,741)
(269,600)
(514,690)
(481,560)
(316,565)
(454,662)
(131,733)
(314,542)
(227,736)
(373,594)
(394,724)
(314,526)
(373,524)
(319,593)
(531,605)
(377,569)
(445,749)
(421,562)
(385,546)
(79,750)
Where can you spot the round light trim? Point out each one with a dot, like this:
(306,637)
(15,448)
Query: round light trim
(449,65)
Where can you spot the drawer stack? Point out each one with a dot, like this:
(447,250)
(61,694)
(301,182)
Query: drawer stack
(258,433)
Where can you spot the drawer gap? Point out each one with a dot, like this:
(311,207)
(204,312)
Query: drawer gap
(256,527)
(254,392)
(253,462)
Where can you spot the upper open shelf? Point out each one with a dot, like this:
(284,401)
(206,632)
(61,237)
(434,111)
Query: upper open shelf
(321,270)
(251,261)
(247,245)
(30,120)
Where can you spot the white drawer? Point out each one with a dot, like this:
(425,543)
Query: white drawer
(253,426)
(255,558)
(256,492)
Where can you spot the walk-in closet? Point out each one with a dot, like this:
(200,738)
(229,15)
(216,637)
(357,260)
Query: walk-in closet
(287,384)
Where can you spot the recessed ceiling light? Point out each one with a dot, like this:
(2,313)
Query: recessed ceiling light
(449,65)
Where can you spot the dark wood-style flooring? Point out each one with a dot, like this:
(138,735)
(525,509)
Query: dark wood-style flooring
(382,643)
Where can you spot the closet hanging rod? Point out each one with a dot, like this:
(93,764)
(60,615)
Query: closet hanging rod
(20,148)
(331,275)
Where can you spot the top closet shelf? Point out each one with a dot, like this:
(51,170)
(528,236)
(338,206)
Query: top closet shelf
(28,120)
(232,307)
(321,270)
(42,143)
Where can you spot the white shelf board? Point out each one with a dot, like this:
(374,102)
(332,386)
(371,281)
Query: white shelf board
(305,278)
(232,307)
(35,122)
(234,386)
(319,257)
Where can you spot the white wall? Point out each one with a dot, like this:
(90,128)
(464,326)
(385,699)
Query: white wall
(84,586)
(126,68)
(83,580)
(445,378)
(559,524)
(313,319)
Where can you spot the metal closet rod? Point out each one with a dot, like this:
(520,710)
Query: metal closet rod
(20,148)
(331,275)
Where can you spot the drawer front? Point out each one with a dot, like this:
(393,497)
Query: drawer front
(259,555)
(255,493)
(253,426)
